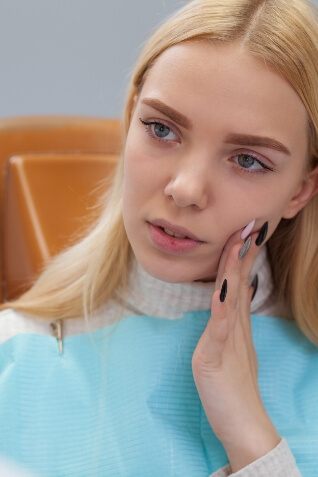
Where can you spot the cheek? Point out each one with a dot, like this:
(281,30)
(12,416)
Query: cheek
(138,189)
(262,197)
(238,209)
(138,180)
(142,173)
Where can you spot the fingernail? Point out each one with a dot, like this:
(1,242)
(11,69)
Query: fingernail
(254,284)
(247,230)
(262,234)
(223,291)
(245,247)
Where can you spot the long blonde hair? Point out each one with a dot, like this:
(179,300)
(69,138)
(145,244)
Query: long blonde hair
(284,34)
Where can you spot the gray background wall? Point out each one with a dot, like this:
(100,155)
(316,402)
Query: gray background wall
(72,56)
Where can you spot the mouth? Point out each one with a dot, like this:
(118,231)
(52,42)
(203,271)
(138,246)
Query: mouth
(175,231)
(169,243)
(173,240)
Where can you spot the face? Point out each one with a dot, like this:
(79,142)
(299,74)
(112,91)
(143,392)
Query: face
(198,173)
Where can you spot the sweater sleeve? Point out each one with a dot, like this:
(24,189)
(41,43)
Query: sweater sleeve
(279,462)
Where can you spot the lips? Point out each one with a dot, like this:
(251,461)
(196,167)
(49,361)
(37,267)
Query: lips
(175,228)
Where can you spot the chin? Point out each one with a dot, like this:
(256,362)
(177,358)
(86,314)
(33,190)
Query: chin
(169,271)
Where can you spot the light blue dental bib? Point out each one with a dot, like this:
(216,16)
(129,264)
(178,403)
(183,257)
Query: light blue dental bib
(122,401)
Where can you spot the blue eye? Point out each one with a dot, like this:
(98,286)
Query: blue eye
(159,128)
(161,131)
(250,160)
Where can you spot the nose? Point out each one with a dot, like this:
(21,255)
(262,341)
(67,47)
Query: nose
(189,188)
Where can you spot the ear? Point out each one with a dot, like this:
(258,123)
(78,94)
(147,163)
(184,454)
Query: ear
(306,191)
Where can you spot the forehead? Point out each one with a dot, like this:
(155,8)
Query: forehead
(225,86)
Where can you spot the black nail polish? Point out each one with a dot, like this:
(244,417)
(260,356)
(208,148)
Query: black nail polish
(254,284)
(262,234)
(223,291)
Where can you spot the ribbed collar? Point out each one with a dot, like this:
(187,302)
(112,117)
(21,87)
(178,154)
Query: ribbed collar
(147,295)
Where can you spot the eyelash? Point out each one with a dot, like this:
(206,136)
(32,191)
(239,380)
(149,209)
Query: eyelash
(265,170)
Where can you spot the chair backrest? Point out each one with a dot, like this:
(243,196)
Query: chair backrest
(50,168)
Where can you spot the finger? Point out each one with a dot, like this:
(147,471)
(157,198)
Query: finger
(240,236)
(252,349)
(247,265)
(234,239)
(209,352)
(247,331)
(232,273)
(223,314)
(246,294)
(253,252)
(238,316)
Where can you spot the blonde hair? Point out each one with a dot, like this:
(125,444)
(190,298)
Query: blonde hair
(282,33)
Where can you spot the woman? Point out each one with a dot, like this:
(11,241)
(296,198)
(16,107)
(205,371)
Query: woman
(199,282)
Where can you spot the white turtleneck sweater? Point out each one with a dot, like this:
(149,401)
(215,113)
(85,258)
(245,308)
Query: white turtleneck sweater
(149,296)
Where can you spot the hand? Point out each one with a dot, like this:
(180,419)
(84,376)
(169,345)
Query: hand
(224,363)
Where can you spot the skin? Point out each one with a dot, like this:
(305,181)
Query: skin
(195,181)
(198,182)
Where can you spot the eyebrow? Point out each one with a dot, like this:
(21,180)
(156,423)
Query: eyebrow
(233,138)
(168,111)
(261,141)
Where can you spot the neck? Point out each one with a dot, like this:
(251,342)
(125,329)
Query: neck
(148,295)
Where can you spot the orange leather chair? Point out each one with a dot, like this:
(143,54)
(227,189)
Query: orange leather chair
(52,169)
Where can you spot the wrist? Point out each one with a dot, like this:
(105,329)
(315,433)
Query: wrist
(250,446)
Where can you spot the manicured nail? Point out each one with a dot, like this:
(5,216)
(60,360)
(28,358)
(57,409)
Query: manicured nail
(245,247)
(262,234)
(254,284)
(223,291)
(247,230)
